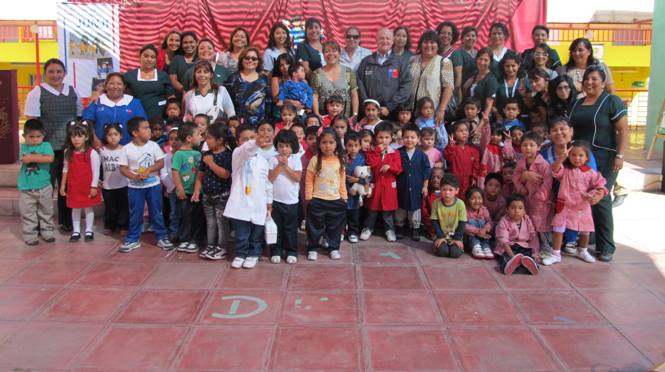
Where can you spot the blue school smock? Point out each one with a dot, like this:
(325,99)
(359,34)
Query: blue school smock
(410,182)
(104,111)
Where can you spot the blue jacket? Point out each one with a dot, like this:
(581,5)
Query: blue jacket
(441,133)
(410,182)
(353,202)
(104,111)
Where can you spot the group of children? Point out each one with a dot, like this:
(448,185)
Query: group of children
(482,188)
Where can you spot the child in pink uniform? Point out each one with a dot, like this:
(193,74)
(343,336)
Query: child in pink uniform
(579,188)
(516,239)
(538,192)
(494,202)
(427,142)
(478,228)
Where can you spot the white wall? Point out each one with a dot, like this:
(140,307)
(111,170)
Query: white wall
(29,10)
(577,11)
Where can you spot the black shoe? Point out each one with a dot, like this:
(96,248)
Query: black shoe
(49,239)
(89,236)
(75,237)
(32,243)
(618,200)
(399,232)
(65,229)
(605,257)
(415,234)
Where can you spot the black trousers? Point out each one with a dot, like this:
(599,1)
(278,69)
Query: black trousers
(352,222)
(448,249)
(191,220)
(602,212)
(327,216)
(286,219)
(64,213)
(116,209)
(516,248)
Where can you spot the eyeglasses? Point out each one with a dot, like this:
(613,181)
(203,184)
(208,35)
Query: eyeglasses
(354,37)
(251,58)
(563,87)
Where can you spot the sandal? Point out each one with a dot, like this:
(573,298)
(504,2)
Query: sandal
(75,237)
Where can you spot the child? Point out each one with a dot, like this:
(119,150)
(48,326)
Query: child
(463,159)
(371,108)
(397,137)
(312,121)
(386,165)
(354,158)
(507,187)
(170,200)
(411,183)
(433,193)
(311,138)
(184,167)
(171,135)
(404,115)
(425,107)
(299,131)
(334,107)
(114,187)
(296,88)
(202,121)
(266,131)
(34,184)
(366,140)
(234,123)
(341,126)
(250,201)
(80,178)
(538,194)
(538,100)
(157,131)
(516,239)
(326,195)
(172,109)
(285,174)
(472,115)
(492,159)
(511,113)
(512,145)
(427,141)
(580,187)
(494,201)
(448,219)
(212,189)
(288,115)
(478,229)
(141,162)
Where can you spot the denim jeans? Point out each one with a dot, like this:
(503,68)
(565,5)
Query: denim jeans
(474,240)
(217,226)
(174,217)
(248,239)
(137,199)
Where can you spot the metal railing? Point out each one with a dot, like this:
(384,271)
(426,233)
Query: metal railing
(637,103)
(21,31)
(637,35)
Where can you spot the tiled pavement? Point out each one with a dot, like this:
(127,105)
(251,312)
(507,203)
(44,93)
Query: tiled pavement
(382,307)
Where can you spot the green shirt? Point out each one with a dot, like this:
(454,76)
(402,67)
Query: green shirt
(461,57)
(151,93)
(179,66)
(448,216)
(485,88)
(186,162)
(595,123)
(34,176)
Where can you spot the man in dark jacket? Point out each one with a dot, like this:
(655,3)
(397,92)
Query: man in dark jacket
(384,76)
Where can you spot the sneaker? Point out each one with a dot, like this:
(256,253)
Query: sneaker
(415,234)
(605,257)
(32,243)
(275,259)
(570,248)
(551,260)
(89,236)
(127,247)
(487,251)
(291,259)
(353,238)
(477,251)
(237,262)
(584,255)
(250,262)
(182,247)
(390,236)
(204,252)
(341,238)
(365,234)
(216,253)
(335,255)
(48,239)
(75,237)
(312,255)
(530,264)
(165,244)
(191,247)
(512,264)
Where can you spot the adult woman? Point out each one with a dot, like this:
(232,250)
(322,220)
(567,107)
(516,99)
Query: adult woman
(334,79)
(238,41)
(540,59)
(448,34)
(581,57)
(353,53)
(55,104)
(151,86)
(540,35)
(279,43)
(432,75)
(464,59)
(511,85)
(205,51)
(113,106)
(310,52)
(600,119)
(483,85)
(181,62)
(170,47)
(499,34)
(402,44)
(249,87)
(198,101)
(562,94)
(280,74)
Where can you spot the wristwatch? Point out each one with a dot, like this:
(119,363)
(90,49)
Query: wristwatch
(619,156)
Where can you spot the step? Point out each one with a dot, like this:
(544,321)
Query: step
(9,174)
(641,175)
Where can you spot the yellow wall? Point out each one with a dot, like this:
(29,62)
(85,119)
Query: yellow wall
(25,52)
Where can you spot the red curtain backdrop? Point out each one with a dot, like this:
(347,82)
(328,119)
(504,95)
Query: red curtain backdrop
(147,21)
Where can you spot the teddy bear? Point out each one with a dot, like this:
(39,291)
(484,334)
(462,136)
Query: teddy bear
(363,190)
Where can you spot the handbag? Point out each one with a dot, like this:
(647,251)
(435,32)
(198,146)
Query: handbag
(270,230)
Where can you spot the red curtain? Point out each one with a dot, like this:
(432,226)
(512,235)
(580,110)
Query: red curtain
(147,21)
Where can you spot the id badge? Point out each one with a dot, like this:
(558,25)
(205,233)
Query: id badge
(248,190)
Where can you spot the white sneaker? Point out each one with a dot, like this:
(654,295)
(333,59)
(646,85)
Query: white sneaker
(390,236)
(341,238)
(275,259)
(551,260)
(182,246)
(303,225)
(570,248)
(250,262)
(488,253)
(585,256)
(365,234)
(335,255)
(237,262)
(312,255)
(353,238)
(291,259)
(477,251)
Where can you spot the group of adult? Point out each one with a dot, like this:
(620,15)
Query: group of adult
(245,82)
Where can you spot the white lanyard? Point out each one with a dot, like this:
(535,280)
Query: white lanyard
(509,95)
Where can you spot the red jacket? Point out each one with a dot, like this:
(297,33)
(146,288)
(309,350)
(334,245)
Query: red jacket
(384,196)
(464,163)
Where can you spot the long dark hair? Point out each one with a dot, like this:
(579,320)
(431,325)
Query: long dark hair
(284,56)
(339,149)
(587,45)
(165,43)
(223,132)
(233,33)
(407,46)
(78,128)
(108,127)
(271,38)
(559,107)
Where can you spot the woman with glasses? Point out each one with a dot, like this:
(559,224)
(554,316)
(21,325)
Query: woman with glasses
(353,53)
(448,33)
(249,87)
(540,35)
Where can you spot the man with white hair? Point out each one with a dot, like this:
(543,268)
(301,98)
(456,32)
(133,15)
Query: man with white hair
(384,76)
